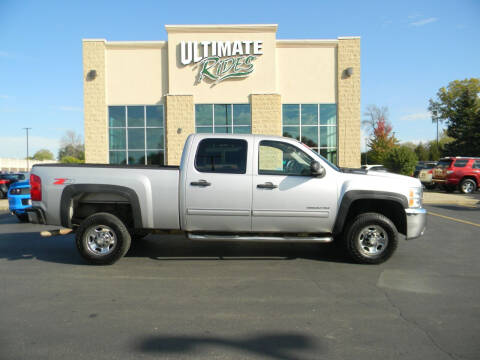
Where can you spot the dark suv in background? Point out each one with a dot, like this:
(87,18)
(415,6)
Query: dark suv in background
(458,172)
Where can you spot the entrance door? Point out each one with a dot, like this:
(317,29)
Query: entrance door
(219,186)
(286,196)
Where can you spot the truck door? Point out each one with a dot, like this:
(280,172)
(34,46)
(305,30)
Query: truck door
(218,193)
(286,196)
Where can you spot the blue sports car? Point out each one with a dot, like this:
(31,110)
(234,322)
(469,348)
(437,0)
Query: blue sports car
(19,199)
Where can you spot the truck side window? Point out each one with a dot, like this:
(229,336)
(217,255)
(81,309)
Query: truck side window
(222,156)
(461,163)
(279,158)
(476,164)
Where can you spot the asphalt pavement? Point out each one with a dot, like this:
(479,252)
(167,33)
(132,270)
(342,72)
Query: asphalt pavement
(170,298)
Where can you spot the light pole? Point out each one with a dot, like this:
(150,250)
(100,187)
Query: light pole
(28,164)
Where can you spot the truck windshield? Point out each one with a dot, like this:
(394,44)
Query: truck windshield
(445,163)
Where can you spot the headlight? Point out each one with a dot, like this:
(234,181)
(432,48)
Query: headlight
(415,196)
(15,191)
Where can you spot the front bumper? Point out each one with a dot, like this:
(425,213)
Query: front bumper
(36,216)
(416,222)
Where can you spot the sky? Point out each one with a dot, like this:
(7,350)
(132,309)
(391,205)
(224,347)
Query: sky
(409,49)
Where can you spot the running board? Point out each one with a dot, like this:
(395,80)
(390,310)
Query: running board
(260,238)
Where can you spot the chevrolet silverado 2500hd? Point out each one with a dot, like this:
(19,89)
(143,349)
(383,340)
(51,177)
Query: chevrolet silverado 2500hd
(230,187)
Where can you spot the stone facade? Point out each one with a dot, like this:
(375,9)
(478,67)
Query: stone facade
(180,122)
(95,105)
(348,103)
(266,114)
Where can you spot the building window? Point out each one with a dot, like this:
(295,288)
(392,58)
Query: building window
(223,118)
(136,135)
(313,124)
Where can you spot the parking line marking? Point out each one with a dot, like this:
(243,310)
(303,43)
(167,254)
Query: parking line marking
(454,219)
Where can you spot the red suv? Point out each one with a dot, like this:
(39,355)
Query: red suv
(461,172)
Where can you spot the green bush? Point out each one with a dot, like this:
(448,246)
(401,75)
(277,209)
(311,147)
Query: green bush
(401,160)
(71,160)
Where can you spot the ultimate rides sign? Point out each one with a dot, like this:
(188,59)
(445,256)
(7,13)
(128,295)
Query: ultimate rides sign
(221,60)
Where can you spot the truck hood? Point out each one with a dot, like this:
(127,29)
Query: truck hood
(379,181)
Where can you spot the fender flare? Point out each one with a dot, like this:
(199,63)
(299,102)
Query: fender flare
(72,190)
(353,195)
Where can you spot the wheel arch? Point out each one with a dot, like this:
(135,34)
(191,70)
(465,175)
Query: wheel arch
(355,202)
(99,194)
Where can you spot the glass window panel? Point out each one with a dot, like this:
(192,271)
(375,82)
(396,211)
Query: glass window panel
(204,130)
(279,158)
(242,129)
(222,156)
(241,114)
(136,157)
(292,132)
(328,136)
(222,115)
(203,114)
(118,157)
(116,139)
(136,139)
(155,115)
(460,163)
(310,135)
(116,116)
(329,154)
(135,115)
(309,114)
(155,158)
(291,114)
(223,129)
(154,138)
(328,114)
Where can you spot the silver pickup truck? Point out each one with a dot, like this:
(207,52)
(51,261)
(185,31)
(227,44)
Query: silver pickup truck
(230,187)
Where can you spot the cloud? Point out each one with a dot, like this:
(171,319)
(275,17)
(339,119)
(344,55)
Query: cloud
(424,21)
(3,96)
(70,108)
(4,54)
(422,115)
(16,146)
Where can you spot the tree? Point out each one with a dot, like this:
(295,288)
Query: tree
(71,160)
(422,152)
(43,154)
(71,145)
(382,138)
(401,160)
(459,105)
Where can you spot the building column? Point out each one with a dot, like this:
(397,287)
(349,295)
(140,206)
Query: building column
(180,122)
(266,114)
(95,105)
(348,102)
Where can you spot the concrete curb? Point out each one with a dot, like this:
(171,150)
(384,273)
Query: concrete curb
(434,198)
(4,205)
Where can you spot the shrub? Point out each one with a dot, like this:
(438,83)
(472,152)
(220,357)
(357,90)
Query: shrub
(401,160)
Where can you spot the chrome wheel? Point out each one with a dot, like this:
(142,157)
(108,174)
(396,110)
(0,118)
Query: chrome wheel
(100,240)
(372,240)
(467,187)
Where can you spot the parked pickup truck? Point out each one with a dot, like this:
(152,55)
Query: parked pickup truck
(230,187)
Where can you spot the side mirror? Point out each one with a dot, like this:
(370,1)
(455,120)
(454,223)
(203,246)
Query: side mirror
(317,169)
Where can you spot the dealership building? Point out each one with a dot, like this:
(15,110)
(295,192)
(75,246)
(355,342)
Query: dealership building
(143,98)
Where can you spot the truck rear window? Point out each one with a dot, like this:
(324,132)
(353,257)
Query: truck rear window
(222,156)
(444,163)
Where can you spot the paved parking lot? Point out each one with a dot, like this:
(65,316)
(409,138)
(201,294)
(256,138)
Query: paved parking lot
(170,298)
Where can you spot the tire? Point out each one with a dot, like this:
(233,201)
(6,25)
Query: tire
(3,195)
(358,236)
(468,186)
(23,218)
(102,239)
(431,186)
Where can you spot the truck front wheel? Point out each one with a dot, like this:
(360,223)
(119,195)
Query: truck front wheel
(371,238)
(102,239)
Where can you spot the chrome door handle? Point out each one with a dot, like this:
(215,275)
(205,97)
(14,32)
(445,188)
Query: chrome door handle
(267,185)
(202,183)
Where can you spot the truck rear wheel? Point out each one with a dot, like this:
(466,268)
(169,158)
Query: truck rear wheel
(468,186)
(371,238)
(102,239)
